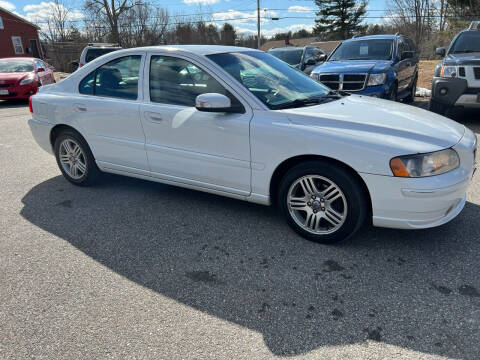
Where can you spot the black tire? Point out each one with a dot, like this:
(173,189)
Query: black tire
(92,173)
(394,92)
(413,89)
(437,107)
(354,196)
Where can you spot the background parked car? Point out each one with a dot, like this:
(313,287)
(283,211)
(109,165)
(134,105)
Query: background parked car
(93,51)
(21,77)
(303,58)
(384,66)
(456,81)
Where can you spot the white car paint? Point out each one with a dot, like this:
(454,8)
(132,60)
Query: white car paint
(236,155)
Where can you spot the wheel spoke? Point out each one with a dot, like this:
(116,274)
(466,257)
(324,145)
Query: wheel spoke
(311,220)
(64,158)
(81,166)
(67,146)
(77,150)
(298,203)
(73,170)
(308,186)
(333,217)
(331,193)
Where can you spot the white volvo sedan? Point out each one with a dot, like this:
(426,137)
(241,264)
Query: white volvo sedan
(241,123)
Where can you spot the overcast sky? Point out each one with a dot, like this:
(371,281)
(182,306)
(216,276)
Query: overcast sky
(294,14)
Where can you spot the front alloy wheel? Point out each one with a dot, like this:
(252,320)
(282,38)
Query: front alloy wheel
(323,201)
(317,204)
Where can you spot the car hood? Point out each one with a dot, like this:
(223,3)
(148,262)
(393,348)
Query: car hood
(463,59)
(389,126)
(13,76)
(353,66)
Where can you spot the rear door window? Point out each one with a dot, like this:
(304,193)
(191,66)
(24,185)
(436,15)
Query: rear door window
(117,78)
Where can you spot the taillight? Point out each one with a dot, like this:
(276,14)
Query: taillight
(30,107)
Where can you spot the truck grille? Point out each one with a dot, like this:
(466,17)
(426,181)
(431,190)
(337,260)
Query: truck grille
(476,71)
(347,82)
(6,85)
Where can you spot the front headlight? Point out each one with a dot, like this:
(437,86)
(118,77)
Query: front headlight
(28,80)
(315,76)
(448,71)
(377,79)
(420,165)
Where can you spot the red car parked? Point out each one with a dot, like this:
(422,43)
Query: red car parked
(21,77)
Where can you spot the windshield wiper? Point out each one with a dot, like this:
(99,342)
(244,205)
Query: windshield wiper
(331,96)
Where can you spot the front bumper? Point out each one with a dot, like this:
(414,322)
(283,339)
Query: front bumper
(454,92)
(19,92)
(416,203)
(380,91)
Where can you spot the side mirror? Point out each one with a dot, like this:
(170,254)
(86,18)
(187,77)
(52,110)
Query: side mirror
(40,69)
(440,51)
(310,61)
(213,102)
(74,65)
(407,55)
(322,57)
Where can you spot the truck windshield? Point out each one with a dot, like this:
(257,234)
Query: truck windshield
(466,42)
(375,49)
(272,81)
(292,57)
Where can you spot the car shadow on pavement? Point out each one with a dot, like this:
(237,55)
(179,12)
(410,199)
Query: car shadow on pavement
(241,263)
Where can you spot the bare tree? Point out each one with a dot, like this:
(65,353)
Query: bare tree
(411,17)
(110,13)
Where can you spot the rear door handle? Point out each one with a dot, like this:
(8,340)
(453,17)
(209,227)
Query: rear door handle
(80,107)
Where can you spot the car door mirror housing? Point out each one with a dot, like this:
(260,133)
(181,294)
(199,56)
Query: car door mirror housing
(440,51)
(407,55)
(322,57)
(213,102)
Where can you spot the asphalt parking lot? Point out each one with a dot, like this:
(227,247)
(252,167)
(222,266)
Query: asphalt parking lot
(133,269)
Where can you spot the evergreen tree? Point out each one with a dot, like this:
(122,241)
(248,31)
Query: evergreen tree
(339,19)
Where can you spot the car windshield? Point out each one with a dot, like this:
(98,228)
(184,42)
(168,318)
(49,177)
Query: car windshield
(375,49)
(92,54)
(466,42)
(275,83)
(12,66)
(291,57)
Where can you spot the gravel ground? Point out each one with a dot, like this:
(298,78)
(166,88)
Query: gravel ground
(133,269)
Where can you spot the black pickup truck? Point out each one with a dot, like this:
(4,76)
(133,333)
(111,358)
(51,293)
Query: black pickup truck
(456,81)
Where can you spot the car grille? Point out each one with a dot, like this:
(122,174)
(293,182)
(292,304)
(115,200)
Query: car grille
(476,71)
(6,85)
(9,94)
(347,82)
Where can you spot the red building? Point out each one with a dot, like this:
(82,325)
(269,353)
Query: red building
(18,37)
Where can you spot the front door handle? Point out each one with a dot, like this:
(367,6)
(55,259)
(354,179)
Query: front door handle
(154,117)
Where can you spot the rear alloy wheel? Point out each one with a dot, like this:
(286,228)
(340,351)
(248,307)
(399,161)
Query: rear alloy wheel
(75,159)
(322,202)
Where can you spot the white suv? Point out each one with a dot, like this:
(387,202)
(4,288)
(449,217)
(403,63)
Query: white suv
(93,51)
(241,123)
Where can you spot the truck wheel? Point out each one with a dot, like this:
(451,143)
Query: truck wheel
(437,107)
(411,96)
(394,92)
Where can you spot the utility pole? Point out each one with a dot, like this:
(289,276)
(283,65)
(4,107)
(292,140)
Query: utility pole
(258,24)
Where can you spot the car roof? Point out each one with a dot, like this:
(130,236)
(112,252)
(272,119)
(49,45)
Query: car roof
(288,48)
(373,37)
(195,49)
(19,58)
